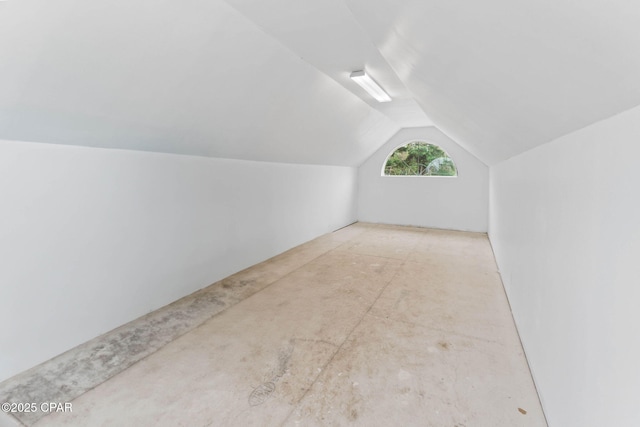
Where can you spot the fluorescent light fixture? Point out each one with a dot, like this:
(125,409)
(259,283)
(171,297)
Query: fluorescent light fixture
(368,84)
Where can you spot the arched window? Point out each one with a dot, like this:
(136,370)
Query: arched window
(419,159)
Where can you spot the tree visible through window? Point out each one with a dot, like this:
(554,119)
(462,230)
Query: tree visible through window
(420,159)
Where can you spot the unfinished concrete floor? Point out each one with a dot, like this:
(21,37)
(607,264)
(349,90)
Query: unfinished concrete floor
(370,325)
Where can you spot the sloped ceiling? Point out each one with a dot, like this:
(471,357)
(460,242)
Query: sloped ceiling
(503,76)
(193,77)
(268,80)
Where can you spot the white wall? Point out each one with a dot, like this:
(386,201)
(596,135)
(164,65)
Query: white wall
(440,202)
(565,227)
(92,238)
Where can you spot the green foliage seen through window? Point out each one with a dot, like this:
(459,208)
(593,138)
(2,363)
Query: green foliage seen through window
(420,159)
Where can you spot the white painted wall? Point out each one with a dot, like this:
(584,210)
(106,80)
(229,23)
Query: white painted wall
(92,238)
(440,202)
(565,230)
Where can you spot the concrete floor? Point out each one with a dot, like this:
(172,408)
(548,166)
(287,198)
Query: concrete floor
(370,325)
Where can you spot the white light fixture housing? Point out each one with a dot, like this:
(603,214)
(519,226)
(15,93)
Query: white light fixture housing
(368,84)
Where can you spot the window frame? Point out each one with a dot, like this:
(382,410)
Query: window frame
(386,159)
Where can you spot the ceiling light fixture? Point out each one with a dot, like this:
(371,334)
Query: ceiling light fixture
(368,84)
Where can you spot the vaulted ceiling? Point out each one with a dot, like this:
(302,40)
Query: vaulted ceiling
(269,80)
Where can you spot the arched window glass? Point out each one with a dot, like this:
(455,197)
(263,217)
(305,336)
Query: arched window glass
(419,159)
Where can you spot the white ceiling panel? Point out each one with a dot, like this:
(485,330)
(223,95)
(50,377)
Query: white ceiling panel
(192,77)
(325,34)
(269,81)
(503,76)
